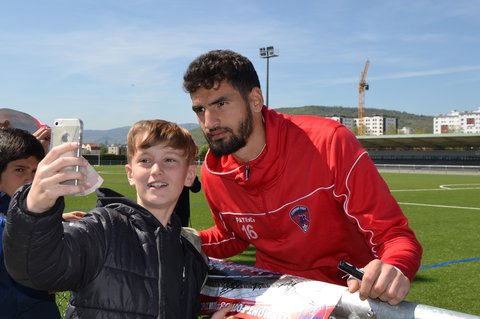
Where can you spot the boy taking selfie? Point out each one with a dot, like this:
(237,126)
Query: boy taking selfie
(124,259)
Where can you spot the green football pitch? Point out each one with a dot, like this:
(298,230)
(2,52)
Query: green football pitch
(443,210)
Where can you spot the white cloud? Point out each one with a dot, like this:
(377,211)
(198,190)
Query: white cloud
(425,73)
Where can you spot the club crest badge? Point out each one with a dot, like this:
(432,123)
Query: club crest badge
(301,216)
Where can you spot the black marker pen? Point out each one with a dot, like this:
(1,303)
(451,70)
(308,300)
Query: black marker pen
(350,269)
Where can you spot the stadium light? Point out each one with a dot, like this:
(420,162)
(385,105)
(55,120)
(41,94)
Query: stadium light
(267,53)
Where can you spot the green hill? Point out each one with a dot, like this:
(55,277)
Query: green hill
(198,136)
(421,124)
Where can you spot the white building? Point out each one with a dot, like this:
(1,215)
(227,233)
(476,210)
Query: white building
(91,149)
(405,130)
(457,122)
(374,125)
(117,149)
(348,122)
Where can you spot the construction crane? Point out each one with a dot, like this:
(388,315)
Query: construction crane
(362,86)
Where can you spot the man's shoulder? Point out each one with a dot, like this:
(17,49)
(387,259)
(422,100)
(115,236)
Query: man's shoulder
(303,119)
(309,120)
(313,126)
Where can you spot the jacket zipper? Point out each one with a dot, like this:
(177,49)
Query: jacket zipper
(161,288)
(247,172)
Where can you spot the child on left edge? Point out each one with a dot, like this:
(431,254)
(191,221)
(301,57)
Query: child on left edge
(20,153)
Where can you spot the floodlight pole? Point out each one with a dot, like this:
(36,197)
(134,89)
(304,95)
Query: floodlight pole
(267,53)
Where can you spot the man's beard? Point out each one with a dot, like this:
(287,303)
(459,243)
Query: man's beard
(232,142)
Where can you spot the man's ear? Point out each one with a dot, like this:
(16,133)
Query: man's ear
(128,170)
(191,173)
(255,99)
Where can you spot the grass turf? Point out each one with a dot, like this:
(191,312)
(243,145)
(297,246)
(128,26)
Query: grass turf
(447,229)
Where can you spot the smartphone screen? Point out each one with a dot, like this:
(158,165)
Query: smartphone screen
(67,131)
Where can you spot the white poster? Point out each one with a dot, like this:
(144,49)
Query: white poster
(261,294)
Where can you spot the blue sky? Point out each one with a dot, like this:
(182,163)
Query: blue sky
(113,62)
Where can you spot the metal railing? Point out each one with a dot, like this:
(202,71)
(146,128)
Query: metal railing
(351,307)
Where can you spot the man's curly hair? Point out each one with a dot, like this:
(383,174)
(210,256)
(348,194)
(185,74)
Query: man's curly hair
(211,68)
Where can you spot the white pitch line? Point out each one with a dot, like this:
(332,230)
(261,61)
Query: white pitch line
(111,173)
(446,187)
(440,206)
(419,190)
(455,186)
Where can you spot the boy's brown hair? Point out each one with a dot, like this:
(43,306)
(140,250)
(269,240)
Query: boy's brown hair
(160,132)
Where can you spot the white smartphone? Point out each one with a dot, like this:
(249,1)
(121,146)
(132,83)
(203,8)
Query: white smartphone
(67,131)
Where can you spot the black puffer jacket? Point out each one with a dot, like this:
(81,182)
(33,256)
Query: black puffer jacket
(118,261)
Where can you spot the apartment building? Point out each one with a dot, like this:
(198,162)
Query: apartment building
(117,149)
(467,122)
(374,125)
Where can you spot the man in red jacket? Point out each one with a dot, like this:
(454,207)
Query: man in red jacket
(301,189)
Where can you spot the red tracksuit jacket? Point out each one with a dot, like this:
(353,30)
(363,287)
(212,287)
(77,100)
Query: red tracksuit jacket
(313,197)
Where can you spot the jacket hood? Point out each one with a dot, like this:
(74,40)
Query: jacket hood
(109,198)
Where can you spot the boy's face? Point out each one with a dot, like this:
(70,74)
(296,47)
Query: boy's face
(159,174)
(18,173)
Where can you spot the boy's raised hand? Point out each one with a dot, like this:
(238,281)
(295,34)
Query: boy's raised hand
(47,184)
